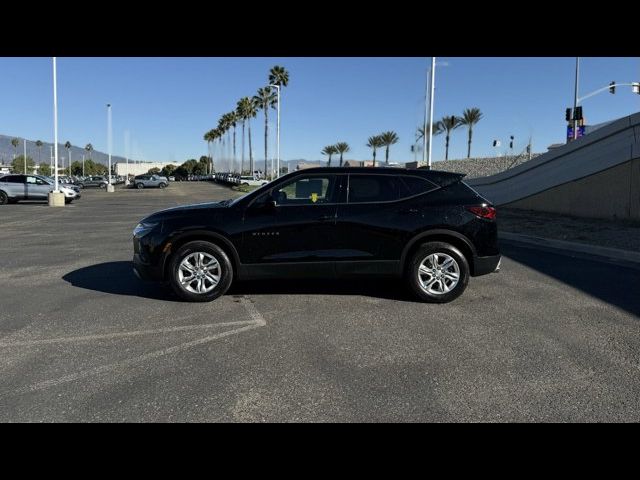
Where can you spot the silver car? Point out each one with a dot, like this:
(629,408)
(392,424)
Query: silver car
(146,181)
(14,188)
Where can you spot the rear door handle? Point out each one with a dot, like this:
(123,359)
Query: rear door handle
(325,218)
(410,210)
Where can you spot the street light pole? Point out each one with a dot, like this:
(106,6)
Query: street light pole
(55,122)
(25,155)
(109,186)
(83,164)
(426,113)
(575,100)
(277,135)
(431,93)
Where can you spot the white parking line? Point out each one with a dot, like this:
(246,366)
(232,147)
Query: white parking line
(108,336)
(257,320)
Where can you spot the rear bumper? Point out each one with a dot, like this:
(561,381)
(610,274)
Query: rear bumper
(145,271)
(484,265)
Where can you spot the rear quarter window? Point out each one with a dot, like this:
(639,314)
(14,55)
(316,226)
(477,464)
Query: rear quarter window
(416,186)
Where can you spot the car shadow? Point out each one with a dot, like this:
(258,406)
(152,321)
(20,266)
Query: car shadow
(118,278)
(616,284)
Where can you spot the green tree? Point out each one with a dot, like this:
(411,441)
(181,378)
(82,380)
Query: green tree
(448,125)
(17,165)
(15,142)
(168,170)
(329,150)
(279,76)
(76,168)
(374,143)
(342,148)
(44,169)
(190,165)
(264,100)
(469,118)
(387,139)
(153,171)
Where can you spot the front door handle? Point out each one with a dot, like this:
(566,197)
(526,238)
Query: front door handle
(325,218)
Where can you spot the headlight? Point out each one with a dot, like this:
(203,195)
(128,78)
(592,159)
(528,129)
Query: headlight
(143,228)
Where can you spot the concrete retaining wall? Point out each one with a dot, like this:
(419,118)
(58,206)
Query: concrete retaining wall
(595,176)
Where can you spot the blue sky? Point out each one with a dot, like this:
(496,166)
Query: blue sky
(166,104)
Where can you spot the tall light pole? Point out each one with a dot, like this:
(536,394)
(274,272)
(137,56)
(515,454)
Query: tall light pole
(277,136)
(83,164)
(55,123)
(25,155)
(432,91)
(426,113)
(109,186)
(575,100)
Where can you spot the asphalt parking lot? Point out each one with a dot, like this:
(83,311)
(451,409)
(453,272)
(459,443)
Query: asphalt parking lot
(552,337)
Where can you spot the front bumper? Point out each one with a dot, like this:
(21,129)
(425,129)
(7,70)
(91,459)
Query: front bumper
(485,265)
(146,271)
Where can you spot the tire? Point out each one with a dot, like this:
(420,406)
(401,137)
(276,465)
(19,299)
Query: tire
(437,285)
(190,253)
(103,185)
(68,200)
(139,186)
(81,185)
(162,185)
(4,198)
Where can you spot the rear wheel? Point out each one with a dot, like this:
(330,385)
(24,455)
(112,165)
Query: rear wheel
(162,185)
(139,186)
(81,185)
(68,200)
(437,272)
(4,198)
(103,185)
(200,272)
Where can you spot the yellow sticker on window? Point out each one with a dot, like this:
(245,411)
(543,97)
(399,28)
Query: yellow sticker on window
(314,197)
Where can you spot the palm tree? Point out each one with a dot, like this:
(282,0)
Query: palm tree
(222,128)
(209,137)
(279,76)
(375,142)
(342,147)
(448,125)
(264,100)
(329,150)
(388,138)
(247,109)
(67,145)
(422,131)
(15,142)
(241,117)
(39,145)
(470,117)
(233,120)
(89,149)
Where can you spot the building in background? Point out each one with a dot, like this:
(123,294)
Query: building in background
(140,168)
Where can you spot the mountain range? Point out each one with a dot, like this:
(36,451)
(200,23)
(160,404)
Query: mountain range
(43,154)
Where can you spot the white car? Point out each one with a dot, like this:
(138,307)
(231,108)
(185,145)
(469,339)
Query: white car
(252,181)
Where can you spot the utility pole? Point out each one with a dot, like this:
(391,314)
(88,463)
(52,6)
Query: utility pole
(433,80)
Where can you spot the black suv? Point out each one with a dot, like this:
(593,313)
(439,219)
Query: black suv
(424,225)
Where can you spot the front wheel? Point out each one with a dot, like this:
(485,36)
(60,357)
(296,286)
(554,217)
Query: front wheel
(4,198)
(162,185)
(68,200)
(81,185)
(140,186)
(103,185)
(437,272)
(200,272)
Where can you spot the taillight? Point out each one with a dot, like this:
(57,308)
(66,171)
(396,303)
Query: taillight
(483,211)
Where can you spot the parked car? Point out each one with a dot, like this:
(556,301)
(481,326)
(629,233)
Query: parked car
(252,181)
(95,181)
(172,178)
(426,226)
(14,188)
(146,181)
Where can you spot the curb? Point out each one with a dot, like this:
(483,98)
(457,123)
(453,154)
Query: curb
(605,252)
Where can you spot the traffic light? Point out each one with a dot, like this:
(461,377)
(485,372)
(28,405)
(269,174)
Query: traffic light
(612,87)
(567,115)
(511,142)
(578,113)
(496,143)
(635,87)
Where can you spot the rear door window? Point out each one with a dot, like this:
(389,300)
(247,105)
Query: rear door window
(415,186)
(373,188)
